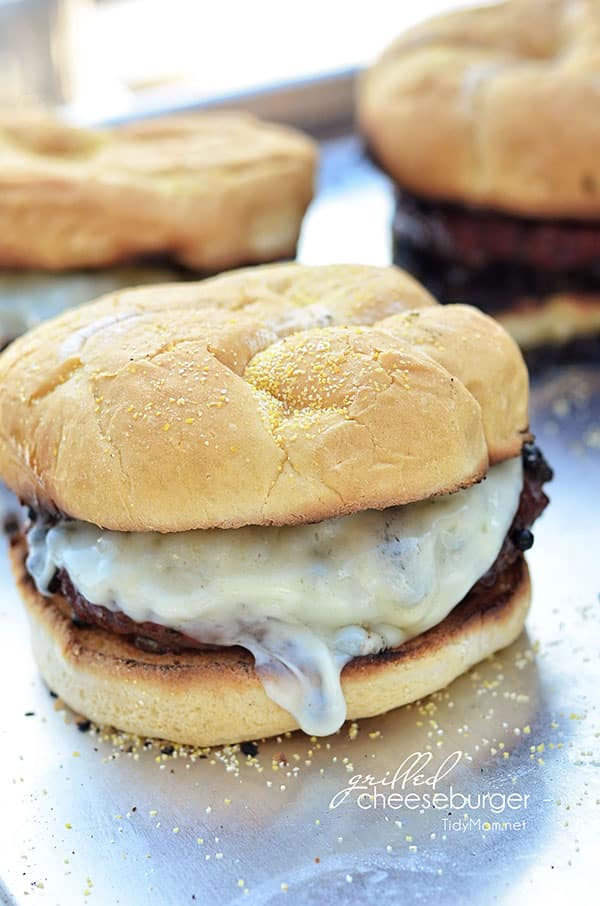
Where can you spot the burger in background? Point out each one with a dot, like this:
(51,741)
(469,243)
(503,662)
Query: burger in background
(270,500)
(488,122)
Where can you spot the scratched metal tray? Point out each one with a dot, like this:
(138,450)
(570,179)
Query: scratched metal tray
(103,819)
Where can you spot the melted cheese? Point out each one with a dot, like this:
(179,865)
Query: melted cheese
(27,298)
(303,599)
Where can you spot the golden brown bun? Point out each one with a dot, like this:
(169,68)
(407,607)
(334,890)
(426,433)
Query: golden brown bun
(494,106)
(212,697)
(553,320)
(212,190)
(225,403)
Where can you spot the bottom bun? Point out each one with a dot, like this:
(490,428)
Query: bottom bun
(212,697)
(552,321)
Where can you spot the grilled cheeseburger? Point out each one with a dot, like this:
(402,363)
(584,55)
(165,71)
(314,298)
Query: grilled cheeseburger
(488,122)
(273,499)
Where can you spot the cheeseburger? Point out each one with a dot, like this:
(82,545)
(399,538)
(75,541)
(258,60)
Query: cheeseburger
(488,122)
(269,500)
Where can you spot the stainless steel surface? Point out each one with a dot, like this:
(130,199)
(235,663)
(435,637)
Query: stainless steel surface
(125,59)
(34,53)
(87,818)
(310,104)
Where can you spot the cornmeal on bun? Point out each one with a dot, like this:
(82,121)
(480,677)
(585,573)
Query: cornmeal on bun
(487,121)
(270,500)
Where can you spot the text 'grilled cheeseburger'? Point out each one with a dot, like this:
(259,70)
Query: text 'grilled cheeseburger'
(270,500)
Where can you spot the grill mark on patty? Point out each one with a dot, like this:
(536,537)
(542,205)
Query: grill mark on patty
(157,639)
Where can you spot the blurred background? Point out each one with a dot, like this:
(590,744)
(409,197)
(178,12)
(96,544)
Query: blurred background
(103,61)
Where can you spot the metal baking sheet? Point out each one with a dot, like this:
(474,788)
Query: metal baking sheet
(104,818)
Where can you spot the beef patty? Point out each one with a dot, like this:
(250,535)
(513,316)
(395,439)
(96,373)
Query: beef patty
(477,237)
(160,639)
(489,258)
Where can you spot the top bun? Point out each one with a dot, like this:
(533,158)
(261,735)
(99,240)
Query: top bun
(277,395)
(495,106)
(212,190)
